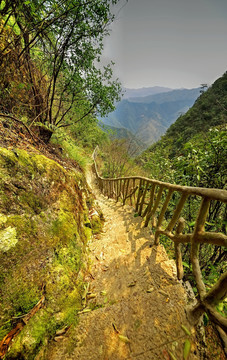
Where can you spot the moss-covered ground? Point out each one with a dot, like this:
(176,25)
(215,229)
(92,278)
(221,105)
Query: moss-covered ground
(44,229)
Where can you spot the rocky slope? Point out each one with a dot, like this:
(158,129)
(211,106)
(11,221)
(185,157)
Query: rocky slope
(45,225)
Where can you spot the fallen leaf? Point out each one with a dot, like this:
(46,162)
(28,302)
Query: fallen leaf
(123,338)
(150,290)
(133,283)
(91,296)
(86,310)
(187,332)
(165,353)
(187,349)
(62,331)
(174,345)
(115,328)
(172,356)
(58,338)
(103,293)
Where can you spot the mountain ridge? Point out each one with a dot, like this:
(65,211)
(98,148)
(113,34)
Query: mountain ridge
(144,91)
(148,121)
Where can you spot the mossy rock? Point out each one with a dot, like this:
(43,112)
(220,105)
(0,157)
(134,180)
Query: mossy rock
(96,224)
(43,246)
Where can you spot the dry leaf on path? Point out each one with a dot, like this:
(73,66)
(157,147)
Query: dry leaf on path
(187,349)
(123,338)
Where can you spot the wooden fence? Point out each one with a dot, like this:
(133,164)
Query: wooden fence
(153,201)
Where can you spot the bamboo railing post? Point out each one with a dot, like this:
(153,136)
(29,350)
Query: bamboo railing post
(161,215)
(139,194)
(104,187)
(123,189)
(108,188)
(106,184)
(199,228)
(126,191)
(110,185)
(177,246)
(120,190)
(152,212)
(134,195)
(131,195)
(148,208)
(177,212)
(111,189)
(117,191)
(143,198)
(114,189)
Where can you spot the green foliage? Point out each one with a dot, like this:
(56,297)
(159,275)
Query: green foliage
(203,160)
(70,150)
(193,153)
(209,110)
(48,211)
(50,67)
(87,133)
(116,159)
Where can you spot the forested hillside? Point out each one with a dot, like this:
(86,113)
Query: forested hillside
(193,150)
(210,110)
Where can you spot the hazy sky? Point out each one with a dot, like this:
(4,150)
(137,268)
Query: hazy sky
(174,43)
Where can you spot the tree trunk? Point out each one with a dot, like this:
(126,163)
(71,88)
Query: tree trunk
(45,134)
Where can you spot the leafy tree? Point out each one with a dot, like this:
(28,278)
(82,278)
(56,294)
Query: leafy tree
(203,160)
(65,38)
(117,158)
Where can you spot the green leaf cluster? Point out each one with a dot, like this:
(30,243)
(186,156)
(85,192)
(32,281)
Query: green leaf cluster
(193,152)
(52,51)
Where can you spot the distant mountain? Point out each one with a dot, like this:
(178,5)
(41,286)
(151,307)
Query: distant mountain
(149,117)
(209,111)
(145,91)
(173,95)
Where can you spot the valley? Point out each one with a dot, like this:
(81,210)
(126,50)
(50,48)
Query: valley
(148,117)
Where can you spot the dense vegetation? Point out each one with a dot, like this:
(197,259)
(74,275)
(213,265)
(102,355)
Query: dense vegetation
(193,152)
(48,55)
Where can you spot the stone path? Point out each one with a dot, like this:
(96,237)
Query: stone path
(138,303)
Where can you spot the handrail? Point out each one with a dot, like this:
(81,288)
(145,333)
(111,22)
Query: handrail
(151,199)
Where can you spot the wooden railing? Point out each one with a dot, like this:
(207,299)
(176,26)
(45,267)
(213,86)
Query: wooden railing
(153,201)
